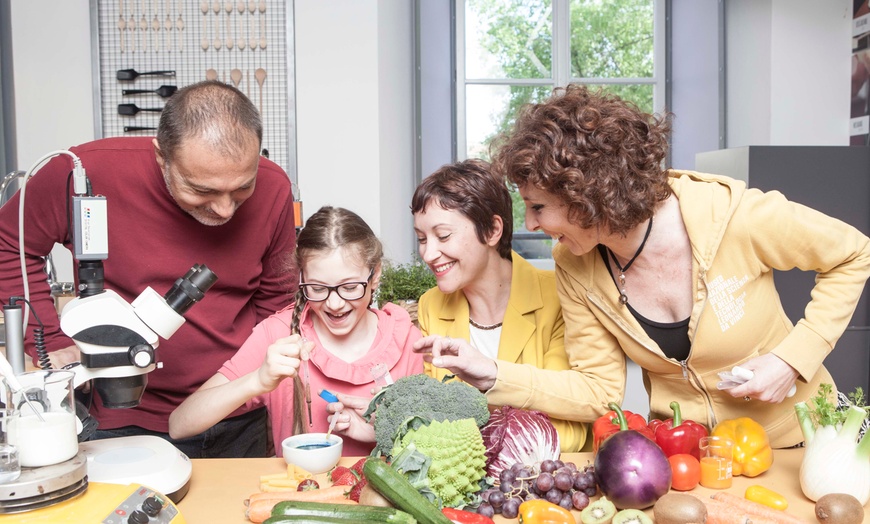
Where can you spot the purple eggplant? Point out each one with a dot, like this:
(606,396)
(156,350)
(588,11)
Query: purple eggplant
(632,471)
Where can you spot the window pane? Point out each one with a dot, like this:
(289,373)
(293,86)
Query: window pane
(640,94)
(491,110)
(611,39)
(508,39)
(529,245)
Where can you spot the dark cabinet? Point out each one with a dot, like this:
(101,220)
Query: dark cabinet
(834,180)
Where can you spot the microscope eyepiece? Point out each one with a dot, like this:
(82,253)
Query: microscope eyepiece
(190,288)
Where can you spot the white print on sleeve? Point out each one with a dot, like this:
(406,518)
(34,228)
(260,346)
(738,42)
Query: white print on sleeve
(727,300)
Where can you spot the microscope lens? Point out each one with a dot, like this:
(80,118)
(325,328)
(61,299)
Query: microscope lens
(190,288)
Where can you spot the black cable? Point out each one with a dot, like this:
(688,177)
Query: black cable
(38,334)
(68,209)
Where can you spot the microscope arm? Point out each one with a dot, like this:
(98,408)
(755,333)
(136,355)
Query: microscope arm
(113,340)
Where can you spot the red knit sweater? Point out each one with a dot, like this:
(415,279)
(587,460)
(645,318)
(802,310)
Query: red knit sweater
(152,242)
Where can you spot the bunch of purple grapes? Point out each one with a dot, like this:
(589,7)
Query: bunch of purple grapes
(559,482)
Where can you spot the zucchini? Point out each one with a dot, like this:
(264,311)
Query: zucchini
(283,519)
(326,512)
(398,490)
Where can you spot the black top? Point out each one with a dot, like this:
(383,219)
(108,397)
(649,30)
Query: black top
(672,337)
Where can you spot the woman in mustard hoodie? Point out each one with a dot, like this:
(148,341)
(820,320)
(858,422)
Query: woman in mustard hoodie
(673,269)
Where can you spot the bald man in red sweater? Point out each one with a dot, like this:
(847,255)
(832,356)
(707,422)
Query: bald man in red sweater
(200,193)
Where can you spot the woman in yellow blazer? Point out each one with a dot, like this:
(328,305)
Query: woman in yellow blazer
(487,294)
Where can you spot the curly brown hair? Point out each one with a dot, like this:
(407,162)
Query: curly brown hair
(599,154)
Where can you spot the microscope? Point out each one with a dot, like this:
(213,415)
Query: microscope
(117,340)
(118,343)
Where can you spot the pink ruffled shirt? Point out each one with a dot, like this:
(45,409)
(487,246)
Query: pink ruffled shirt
(392,347)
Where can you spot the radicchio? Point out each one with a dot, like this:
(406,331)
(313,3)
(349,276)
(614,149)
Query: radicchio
(518,435)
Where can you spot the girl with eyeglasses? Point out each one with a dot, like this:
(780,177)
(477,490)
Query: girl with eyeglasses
(331,326)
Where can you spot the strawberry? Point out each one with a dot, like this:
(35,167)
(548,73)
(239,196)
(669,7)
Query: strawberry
(357,489)
(343,476)
(357,468)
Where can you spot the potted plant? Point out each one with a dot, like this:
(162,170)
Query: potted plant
(403,284)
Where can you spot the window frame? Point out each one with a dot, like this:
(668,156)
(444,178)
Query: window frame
(560,74)
(561,69)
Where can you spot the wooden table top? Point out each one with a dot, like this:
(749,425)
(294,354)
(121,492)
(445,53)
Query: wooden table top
(219,487)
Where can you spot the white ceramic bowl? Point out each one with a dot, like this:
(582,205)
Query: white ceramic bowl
(313,459)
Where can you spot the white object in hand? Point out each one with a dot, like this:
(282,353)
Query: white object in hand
(381,375)
(332,423)
(741,375)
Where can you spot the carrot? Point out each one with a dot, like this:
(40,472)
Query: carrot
(260,508)
(756,509)
(721,512)
(314,495)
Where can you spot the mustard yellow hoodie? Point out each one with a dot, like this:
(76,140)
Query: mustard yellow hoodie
(738,236)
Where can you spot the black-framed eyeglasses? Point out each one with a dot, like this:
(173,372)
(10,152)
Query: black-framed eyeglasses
(348,291)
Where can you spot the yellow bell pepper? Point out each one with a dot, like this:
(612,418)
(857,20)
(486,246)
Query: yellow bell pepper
(752,453)
(765,496)
(540,511)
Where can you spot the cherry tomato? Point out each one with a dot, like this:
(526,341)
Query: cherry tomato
(686,471)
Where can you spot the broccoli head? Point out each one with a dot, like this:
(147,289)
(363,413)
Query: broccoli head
(424,397)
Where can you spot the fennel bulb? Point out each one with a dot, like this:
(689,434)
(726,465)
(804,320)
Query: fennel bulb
(834,462)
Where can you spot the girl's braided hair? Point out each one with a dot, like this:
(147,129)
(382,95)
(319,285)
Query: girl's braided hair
(328,229)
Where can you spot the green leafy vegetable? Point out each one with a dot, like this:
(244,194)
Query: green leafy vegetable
(823,407)
(444,461)
(834,459)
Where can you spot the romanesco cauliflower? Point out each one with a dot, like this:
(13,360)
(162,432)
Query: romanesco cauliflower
(455,455)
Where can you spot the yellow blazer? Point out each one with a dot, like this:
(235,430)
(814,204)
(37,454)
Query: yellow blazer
(532,333)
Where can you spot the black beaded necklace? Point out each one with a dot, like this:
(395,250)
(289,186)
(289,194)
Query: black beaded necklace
(484,327)
(623,298)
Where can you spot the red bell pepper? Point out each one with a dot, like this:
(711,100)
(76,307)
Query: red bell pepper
(676,435)
(465,517)
(608,424)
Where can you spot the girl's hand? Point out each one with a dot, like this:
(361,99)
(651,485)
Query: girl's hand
(283,358)
(460,358)
(349,410)
(773,378)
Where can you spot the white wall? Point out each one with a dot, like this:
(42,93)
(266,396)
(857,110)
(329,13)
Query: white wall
(396,127)
(51,46)
(354,88)
(788,66)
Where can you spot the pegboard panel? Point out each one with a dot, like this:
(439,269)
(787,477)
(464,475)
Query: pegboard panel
(245,43)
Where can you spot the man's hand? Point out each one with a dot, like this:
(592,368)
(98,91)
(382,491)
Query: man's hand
(63,357)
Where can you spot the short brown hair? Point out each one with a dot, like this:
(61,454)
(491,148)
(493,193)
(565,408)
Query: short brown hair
(212,110)
(600,154)
(470,188)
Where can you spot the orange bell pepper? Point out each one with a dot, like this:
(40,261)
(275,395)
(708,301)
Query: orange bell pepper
(752,453)
(540,511)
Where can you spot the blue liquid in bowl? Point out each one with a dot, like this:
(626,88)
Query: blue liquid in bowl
(315,445)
